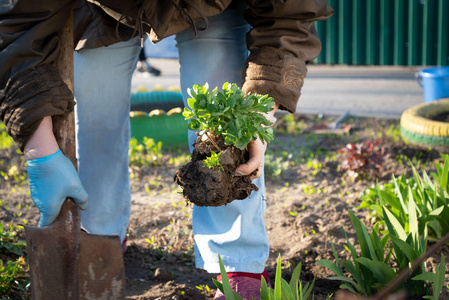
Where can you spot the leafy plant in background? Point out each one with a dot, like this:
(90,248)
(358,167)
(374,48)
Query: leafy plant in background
(9,242)
(144,154)
(371,269)
(6,141)
(435,279)
(13,276)
(289,125)
(429,197)
(362,160)
(283,290)
(276,163)
(230,114)
(13,273)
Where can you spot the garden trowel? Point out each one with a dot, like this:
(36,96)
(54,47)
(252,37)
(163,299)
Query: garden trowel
(66,262)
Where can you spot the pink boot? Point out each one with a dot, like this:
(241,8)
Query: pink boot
(247,285)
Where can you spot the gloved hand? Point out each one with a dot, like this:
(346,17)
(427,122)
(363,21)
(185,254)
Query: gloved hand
(52,179)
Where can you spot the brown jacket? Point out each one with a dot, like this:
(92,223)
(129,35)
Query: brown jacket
(282,41)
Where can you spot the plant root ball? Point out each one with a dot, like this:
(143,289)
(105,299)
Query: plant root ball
(219,186)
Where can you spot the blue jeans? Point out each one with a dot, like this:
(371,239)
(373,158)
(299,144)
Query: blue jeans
(102,90)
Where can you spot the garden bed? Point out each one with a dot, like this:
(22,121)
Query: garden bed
(307,201)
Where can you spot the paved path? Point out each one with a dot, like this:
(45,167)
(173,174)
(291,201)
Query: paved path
(383,91)
(367,91)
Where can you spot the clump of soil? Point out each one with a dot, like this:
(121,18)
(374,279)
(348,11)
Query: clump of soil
(204,186)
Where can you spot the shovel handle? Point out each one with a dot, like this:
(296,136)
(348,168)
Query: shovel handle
(64,125)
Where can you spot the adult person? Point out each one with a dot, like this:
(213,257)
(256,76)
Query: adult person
(213,38)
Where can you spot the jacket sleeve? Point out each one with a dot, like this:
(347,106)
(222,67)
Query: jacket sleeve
(282,41)
(30,86)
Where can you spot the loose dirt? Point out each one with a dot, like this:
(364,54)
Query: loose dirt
(215,185)
(308,199)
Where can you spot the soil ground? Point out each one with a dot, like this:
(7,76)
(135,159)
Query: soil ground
(308,200)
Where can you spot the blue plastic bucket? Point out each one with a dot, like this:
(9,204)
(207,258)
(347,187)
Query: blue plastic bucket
(435,83)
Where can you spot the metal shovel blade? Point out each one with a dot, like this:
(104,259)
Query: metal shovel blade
(66,263)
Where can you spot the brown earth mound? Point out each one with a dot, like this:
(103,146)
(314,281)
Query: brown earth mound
(204,186)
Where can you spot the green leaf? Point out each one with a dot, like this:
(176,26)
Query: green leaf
(428,276)
(331,266)
(345,279)
(444,173)
(350,267)
(375,239)
(227,290)
(337,259)
(194,124)
(413,219)
(390,198)
(192,92)
(277,281)
(393,224)
(437,211)
(295,278)
(405,248)
(364,239)
(399,194)
(219,285)
(381,271)
(308,289)
(191,102)
(351,247)
(248,102)
(286,291)
(264,290)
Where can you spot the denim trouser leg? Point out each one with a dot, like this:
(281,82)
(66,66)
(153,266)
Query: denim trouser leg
(102,90)
(235,231)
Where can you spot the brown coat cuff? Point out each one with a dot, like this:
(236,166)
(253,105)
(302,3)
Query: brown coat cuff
(270,71)
(29,96)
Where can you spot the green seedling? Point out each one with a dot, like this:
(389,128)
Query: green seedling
(9,242)
(429,194)
(371,269)
(213,161)
(13,277)
(230,114)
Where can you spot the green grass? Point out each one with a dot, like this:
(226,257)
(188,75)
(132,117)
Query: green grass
(13,272)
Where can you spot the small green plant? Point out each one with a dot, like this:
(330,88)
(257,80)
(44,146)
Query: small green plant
(6,141)
(275,165)
(371,270)
(146,153)
(230,114)
(179,160)
(13,276)
(429,196)
(9,242)
(212,161)
(13,273)
(291,126)
(283,290)
(225,121)
(394,132)
(436,279)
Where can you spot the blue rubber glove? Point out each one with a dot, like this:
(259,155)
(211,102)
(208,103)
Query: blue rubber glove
(52,179)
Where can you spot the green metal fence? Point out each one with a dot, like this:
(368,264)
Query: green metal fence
(386,32)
